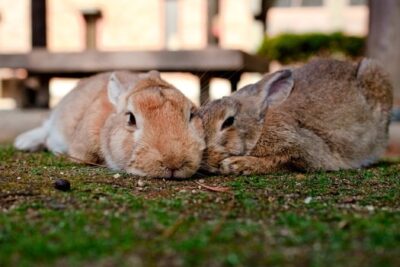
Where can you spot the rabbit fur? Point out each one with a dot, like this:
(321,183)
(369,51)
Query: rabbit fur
(133,122)
(325,115)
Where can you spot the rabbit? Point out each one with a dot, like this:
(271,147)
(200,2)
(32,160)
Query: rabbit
(326,115)
(133,122)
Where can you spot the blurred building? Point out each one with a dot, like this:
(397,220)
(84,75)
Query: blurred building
(348,16)
(172,24)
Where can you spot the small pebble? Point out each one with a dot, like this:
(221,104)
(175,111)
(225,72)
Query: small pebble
(117,175)
(193,191)
(141,183)
(201,181)
(307,200)
(62,185)
(19,178)
(370,208)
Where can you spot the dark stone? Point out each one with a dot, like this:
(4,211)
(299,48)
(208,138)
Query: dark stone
(62,185)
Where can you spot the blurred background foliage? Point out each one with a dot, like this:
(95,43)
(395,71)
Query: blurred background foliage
(292,47)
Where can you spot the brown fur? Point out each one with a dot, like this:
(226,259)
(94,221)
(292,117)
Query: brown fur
(336,117)
(91,124)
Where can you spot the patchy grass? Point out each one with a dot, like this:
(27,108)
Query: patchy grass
(320,219)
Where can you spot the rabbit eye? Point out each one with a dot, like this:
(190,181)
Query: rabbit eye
(228,122)
(131,119)
(193,113)
(191,116)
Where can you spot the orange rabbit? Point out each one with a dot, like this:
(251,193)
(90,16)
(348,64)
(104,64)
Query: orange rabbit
(133,122)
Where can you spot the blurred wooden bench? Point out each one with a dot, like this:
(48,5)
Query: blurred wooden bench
(43,65)
(206,64)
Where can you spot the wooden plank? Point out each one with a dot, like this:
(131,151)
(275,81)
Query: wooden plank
(14,61)
(212,60)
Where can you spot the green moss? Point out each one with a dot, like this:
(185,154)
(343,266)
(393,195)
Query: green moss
(350,217)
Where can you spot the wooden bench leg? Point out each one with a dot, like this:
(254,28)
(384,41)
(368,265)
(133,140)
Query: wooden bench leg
(43,93)
(205,80)
(37,93)
(234,80)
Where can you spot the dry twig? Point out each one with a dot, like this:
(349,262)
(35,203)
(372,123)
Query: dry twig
(80,160)
(222,189)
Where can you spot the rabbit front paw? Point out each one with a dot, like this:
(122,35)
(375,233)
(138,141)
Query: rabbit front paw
(236,165)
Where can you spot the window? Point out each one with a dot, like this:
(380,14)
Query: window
(298,3)
(311,3)
(171,23)
(283,3)
(358,2)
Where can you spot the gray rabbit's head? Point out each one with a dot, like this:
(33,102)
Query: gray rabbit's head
(233,124)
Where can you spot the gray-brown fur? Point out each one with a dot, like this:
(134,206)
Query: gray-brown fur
(335,117)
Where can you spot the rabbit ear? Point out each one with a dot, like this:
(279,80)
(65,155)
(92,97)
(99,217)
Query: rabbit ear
(276,89)
(150,74)
(270,91)
(368,68)
(154,73)
(115,89)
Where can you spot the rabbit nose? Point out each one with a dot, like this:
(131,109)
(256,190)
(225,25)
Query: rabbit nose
(173,163)
(172,172)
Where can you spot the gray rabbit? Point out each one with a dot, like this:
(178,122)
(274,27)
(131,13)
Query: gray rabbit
(325,115)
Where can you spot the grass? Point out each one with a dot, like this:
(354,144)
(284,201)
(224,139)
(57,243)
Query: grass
(347,218)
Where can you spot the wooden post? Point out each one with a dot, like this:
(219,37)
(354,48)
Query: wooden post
(384,39)
(262,16)
(38,24)
(39,41)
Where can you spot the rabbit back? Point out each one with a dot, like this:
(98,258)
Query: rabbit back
(335,118)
